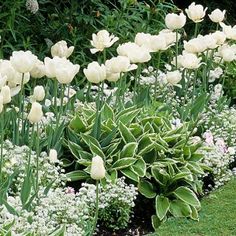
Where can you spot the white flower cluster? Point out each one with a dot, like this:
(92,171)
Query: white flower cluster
(16,158)
(218,157)
(62,206)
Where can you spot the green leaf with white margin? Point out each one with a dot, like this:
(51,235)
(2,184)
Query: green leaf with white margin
(162,206)
(74,148)
(77,175)
(139,167)
(179,208)
(129,150)
(187,195)
(96,150)
(194,214)
(78,125)
(156,222)
(127,115)
(146,189)
(107,112)
(130,174)
(123,163)
(126,134)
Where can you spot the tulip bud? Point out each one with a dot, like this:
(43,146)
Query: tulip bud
(53,156)
(173,77)
(217,15)
(97,168)
(6,94)
(39,93)
(23,61)
(174,21)
(36,113)
(95,73)
(61,49)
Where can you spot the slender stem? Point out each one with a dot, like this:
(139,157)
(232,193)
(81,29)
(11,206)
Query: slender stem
(96,213)
(55,94)
(196,30)
(37,160)
(30,150)
(2,140)
(156,82)
(176,49)
(136,82)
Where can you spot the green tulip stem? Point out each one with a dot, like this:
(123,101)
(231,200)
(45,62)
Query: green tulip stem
(96,212)
(2,140)
(176,49)
(37,159)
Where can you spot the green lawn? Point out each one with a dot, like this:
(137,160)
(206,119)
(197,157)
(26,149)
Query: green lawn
(217,217)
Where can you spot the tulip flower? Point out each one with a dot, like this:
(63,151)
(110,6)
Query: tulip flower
(6,94)
(23,61)
(97,168)
(102,40)
(134,52)
(38,71)
(174,21)
(229,31)
(39,93)
(53,156)
(95,73)
(196,12)
(61,49)
(173,77)
(217,15)
(36,113)
(189,61)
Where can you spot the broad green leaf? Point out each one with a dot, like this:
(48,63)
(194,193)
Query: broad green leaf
(130,174)
(139,167)
(107,112)
(126,134)
(146,189)
(129,150)
(77,175)
(194,214)
(179,208)
(77,124)
(156,222)
(187,195)
(74,148)
(127,117)
(26,188)
(123,163)
(96,130)
(162,206)
(96,150)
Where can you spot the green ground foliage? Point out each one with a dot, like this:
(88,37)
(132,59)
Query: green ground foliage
(217,217)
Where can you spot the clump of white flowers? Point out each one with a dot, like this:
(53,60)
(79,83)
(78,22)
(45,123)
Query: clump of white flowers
(63,206)
(217,156)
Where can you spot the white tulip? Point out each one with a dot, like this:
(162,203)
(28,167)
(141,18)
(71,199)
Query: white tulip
(53,156)
(3,80)
(61,49)
(189,61)
(1,103)
(95,73)
(195,45)
(51,65)
(97,168)
(23,61)
(174,21)
(66,72)
(170,36)
(196,12)
(38,71)
(113,77)
(173,77)
(6,69)
(119,64)
(39,93)
(227,54)
(102,40)
(134,52)
(36,113)
(217,15)
(229,31)
(219,36)
(210,41)
(6,94)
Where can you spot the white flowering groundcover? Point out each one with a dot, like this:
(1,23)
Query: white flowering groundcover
(151,123)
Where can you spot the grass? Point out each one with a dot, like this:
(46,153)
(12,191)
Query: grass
(217,217)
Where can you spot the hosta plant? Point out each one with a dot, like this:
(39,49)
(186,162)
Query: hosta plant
(150,149)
